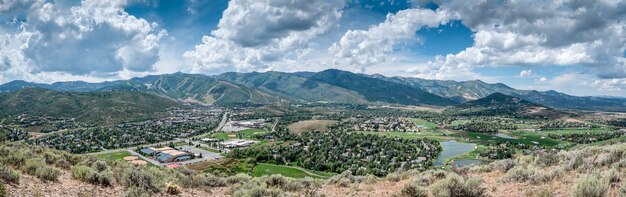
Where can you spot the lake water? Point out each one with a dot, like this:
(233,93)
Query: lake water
(452,149)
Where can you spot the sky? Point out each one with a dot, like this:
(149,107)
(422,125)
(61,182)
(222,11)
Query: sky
(573,46)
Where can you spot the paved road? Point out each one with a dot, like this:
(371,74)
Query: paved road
(206,155)
(106,151)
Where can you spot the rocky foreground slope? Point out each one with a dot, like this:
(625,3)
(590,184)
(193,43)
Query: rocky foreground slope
(35,171)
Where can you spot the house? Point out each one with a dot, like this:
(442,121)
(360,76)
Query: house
(167,154)
(237,143)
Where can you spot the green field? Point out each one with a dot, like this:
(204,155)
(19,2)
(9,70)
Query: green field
(459,122)
(528,138)
(423,123)
(435,135)
(245,134)
(250,133)
(114,155)
(288,171)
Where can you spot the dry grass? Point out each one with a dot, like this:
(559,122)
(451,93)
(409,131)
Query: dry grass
(310,125)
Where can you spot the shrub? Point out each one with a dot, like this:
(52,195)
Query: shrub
(31,165)
(3,190)
(393,177)
(136,192)
(140,178)
(613,176)
(47,173)
(214,181)
(62,163)
(83,173)
(503,165)
(413,190)
(546,159)
(238,178)
(532,174)
(276,180)
(172,189)
(9,175)
(590,186)
(100,166)
(456,186)
(622,190)
(253,190)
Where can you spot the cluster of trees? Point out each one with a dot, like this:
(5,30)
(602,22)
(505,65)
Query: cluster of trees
(617,122)
(12,134)
(484,127)
(94,139)
(559,124)
(586,137)
(340,151)
(503,151)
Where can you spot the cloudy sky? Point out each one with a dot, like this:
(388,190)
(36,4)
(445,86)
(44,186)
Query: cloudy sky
(574,46)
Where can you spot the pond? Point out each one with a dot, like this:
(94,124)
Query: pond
(452,149)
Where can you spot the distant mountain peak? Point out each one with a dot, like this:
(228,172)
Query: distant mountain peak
(499,99)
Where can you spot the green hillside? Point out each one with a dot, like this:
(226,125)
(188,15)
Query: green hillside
(295,87)
(94,107)
(200,88)
(377,90)
(498,104)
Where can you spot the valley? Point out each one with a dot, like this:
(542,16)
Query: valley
(256,132)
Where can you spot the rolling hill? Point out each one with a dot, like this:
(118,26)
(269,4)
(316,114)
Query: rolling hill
(376,90)
(90,107)
(295,87)
(463,91)
(498,104)
(325,86)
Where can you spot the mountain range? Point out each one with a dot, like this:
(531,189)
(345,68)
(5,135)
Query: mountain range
(90,107)
(326,86)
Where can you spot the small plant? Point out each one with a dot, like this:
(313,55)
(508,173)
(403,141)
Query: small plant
(590,186)
(3,190)
(173,189)
(393,177)
(276,180)
(9,175)
(413,190)
(456,186)
(47,173)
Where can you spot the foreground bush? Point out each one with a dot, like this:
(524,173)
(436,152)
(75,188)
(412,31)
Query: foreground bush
(9,175)
(456,186)
(590,186)
(413,190)
(47,173)
(3,190)
(172,189)
(89,175)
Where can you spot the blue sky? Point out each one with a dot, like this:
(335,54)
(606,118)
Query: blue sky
(574,47)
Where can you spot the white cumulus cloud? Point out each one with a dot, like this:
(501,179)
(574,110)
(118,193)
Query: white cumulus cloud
(93,38)
(253,35)
(529,32)
(526,73)
(364,48)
